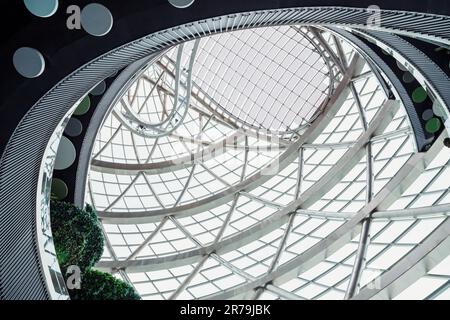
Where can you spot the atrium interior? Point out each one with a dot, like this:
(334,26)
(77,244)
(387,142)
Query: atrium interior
(192,214)
(243,152)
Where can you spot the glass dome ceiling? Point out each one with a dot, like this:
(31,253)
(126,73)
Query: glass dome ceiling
(287,137)
(268,78)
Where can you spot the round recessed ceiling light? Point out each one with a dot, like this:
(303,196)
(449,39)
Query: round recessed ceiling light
(29,62)
(74,128)
(83,107)
(42,8)
(427,114)
(438,110)
(419,95)
(181,4)
(66,154)
(433,125)
(99,89)
(59,189)
(401,66)
(408,77)
(96,19)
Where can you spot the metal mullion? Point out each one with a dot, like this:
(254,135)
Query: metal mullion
(370,100)
(147,240)
(364,75)
(334,287)
(308,282)
(189,151)
(135,148)
(299,173)
(438,291)
(377,158)
(184,231)
(404,232)
(390,159)
(107,143)
(155,85)
(132,96)
(226,221)
(261,200)
(352,129)
(430,183)
(231,267)
(282,293)
(353,200)
(312,171)
(349,184)
(213,174)
(341,120)
(424,193)
(282,245)
(442,197)
(389,245)
(163,100)
(153,191)
(108,244)
(305,235)
(90,194)
(363,245)
(124,191)
(186,185)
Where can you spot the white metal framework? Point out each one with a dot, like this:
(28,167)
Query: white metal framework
(291,176)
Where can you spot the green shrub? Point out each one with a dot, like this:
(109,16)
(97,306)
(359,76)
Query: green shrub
(96,285)
(78,239)
(77,235)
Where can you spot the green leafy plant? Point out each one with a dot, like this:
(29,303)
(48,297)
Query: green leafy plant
(77,235)
(78,239)
(98,285)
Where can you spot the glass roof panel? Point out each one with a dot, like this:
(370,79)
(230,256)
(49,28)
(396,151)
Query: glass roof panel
(245,187)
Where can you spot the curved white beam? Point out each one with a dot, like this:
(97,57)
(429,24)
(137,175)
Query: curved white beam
(213,150)
(412,267)
(400,182)
(344,234)
(131,119)
(307,198)
(259,178)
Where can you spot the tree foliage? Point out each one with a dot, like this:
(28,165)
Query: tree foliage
(77,235)
(78,239)
(96,285)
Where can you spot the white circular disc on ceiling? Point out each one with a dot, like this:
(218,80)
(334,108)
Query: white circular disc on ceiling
(74,128)
(401,66)
(42,8)
(181,4)
(96,19)
(438,109)
(99,89)
(29,62)
(66,154)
